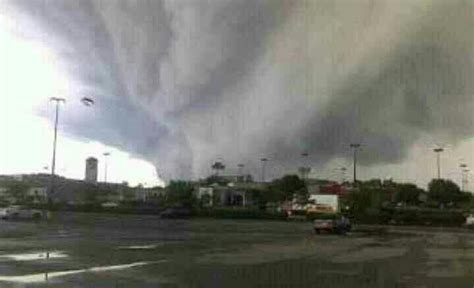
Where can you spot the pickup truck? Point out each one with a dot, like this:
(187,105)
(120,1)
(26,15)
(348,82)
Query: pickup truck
(338,226)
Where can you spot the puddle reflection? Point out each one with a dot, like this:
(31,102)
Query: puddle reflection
(35,256)
(44,277)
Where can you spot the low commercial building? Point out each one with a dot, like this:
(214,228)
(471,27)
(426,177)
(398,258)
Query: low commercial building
(231,194)
(316,187)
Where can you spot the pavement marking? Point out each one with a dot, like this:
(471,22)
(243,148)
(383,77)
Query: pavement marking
(140,247)
(44,277)
(35,256)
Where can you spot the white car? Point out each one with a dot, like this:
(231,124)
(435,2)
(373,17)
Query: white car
(470,220)
(338,226)
(20,213)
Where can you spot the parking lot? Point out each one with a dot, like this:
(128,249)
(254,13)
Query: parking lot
(91,250)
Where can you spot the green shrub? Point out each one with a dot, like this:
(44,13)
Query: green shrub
(373,216)
(240,213)
(435,217)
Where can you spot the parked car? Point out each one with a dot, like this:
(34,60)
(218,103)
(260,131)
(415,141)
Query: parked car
(469,221)
(338,226)
(176,212)
(17,212)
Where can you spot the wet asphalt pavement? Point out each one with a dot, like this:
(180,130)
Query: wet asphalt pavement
(91,250)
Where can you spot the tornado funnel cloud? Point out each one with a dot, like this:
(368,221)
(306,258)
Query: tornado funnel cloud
(182,83)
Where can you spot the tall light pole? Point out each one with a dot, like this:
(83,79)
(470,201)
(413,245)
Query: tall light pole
(343,172)
(57,101)
(464,171)
(355,146)
(264,162)
(241,167)
(305,169)
(466,180)
(438,164)
(106,156)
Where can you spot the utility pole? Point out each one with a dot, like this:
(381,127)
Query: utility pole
(438,164)
(106,156)
(264,161)
(57,101)
(355,146)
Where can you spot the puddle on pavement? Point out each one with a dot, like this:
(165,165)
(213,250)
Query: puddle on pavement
(370,254)
(149,246)
(140,247)
(44,277)
(34,256)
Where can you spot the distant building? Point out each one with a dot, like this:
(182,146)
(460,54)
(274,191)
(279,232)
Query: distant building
(235,178)
(317,186)
(91,170)
(147,194)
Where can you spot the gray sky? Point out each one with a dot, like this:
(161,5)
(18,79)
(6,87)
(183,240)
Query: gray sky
(183,83)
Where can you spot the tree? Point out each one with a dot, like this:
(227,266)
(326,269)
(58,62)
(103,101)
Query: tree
(127,194)
(444,191)
(407,193)
(218,166)
(205,200)
(285,188)
(213,179)
(18,190)
(180,193)
(261,197)
(372,183)
(90,194)
(304,172)
(365,200)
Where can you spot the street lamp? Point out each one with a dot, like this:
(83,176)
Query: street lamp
(343,172)
(355,146)
(464,171)
(241,167)
(87,101)
(57,101)
(466,180)
(304,169)
(106,156)
(264,161)
(438,151)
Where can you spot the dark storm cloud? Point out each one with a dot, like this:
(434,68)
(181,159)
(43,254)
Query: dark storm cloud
(182,83)
(242,28)
(77,33)
(422,87)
